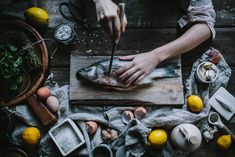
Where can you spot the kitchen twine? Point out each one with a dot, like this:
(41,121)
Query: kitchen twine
(25,47)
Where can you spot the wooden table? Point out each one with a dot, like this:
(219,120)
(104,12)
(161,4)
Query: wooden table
(150,24)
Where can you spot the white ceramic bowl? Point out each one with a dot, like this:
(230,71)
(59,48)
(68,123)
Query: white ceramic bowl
(180,138)
(203,80)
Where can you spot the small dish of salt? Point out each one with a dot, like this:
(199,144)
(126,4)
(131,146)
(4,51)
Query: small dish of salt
(67,136)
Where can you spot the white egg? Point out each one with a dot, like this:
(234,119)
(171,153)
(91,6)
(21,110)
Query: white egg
(127,116)
(52,103)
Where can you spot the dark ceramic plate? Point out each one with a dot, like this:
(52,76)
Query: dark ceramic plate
(13,152)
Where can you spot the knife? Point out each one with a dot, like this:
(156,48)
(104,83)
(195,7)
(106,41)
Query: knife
(121,7)
(223,103)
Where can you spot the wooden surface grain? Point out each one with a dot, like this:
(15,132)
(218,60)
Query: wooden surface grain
(151,23)
(163,91)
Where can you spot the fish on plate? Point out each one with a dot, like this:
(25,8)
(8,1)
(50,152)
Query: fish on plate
(97,73)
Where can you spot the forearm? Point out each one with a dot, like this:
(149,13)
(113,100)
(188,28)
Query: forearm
(196,35)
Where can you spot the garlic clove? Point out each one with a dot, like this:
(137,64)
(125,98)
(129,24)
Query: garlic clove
(127,116)
(207,65)
(140,112)
(201,73)
(207,136)
(210,74)
(91,127)
(106,135)
(114,134)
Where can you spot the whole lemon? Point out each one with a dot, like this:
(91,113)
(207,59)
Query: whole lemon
(37,16)
(224,142)
(157,138)
(30,136)
(194,103)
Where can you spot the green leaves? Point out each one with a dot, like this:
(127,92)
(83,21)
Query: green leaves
(18,62)
(14,60)
(10,66)
(13,48)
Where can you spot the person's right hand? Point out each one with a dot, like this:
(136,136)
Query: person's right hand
(107,14)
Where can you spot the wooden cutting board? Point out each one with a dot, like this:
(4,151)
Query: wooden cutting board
(165,91)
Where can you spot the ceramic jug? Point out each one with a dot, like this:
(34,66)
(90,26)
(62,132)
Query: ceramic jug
(186,137)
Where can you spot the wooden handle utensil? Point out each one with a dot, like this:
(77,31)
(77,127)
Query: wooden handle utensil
(44,115)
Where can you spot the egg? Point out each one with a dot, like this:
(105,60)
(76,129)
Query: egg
(91,127)
(43,93)
(140,112)
(52,104)
(127,116)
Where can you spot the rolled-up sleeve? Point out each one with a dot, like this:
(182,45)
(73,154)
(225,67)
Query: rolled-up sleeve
(200,11)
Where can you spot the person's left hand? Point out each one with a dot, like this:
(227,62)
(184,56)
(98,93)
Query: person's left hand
(135,71)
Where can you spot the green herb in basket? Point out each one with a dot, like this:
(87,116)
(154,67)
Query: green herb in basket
(10,63)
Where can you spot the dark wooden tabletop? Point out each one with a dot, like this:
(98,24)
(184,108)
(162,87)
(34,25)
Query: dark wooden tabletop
(151,23)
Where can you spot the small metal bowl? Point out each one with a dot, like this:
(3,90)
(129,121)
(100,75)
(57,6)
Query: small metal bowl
(102,150)
(198,76)
(13,152)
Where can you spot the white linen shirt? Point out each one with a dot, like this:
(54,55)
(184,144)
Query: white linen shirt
(198,11)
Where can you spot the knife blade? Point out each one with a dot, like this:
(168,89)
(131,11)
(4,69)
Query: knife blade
(121,7)
(111,59)
(223,103)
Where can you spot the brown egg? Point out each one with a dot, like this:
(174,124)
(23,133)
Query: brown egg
(91,127)
(43,93)
(52,103)
(140,112)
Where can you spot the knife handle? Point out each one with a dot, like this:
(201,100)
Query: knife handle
(121,12)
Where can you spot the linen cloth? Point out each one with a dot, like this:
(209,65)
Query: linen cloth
(198,11)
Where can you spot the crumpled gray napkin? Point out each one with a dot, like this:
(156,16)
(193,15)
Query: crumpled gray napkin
(170,116)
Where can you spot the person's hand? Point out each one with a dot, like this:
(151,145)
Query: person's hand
(107,14)
(140,66)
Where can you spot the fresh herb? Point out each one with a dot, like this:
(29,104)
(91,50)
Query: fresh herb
(10,63)
(17,56)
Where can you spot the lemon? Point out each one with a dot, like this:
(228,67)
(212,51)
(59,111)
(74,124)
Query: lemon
(157,138)
(30,136)
(37,16)
(224,142)
(194,103)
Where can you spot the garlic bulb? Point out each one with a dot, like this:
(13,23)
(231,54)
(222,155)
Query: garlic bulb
(207,72)
(109,135)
